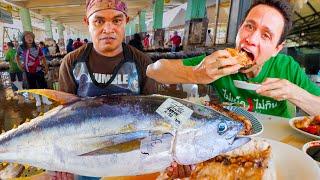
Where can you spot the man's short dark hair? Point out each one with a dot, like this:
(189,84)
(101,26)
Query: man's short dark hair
(10,44)
(284,7)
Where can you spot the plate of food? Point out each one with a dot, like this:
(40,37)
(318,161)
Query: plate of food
(260,159)
(246,85)
(307,125)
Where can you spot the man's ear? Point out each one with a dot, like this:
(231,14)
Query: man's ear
(85,20)
(278,48)
(128,19)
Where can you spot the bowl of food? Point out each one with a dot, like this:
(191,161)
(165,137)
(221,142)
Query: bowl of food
(313,150)
(308,125)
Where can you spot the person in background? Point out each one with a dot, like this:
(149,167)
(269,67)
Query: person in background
(77,44)
(44,49)
(57,49)
(146,42)
(14,70)
(69,46)
(209,39)
(136,42)
(85,41)
(34,63)
(176,41)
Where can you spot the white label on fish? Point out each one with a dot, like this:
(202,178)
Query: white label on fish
(174,111)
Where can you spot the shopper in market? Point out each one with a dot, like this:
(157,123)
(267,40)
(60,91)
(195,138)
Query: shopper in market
(176,41)
(14,70)
(106,66)
(34,64)
(77,43)
(69,46)
(262,35)
(136,42)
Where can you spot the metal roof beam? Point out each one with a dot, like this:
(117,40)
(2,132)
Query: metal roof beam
(313,9)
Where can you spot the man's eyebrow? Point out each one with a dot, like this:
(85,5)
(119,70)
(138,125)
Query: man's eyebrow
(265,28)
(118,16)
(98,17)
(251,21)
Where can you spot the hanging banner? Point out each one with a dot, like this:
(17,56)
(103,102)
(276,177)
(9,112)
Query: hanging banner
(5,17)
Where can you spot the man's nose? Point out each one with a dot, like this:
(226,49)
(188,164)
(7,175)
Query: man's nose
(108,27)
(253,39)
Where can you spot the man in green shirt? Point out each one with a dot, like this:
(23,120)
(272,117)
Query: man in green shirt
(15,72)
(262,34)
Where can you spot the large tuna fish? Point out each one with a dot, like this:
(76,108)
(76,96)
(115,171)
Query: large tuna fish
(119,135)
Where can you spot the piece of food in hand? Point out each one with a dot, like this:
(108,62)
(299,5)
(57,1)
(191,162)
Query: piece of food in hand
(244,58)
(250,161)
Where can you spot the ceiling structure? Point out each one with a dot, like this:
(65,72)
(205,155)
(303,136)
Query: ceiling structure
(71,12)
(306,26)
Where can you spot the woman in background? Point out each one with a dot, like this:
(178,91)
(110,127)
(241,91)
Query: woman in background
(34,64)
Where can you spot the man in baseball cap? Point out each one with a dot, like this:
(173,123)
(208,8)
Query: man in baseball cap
(107,65)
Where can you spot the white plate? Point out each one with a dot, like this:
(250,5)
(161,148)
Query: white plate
(246,85)
(293,164)
(256,124)
(291,122)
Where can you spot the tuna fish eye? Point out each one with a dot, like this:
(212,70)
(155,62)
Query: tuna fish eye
(222,127)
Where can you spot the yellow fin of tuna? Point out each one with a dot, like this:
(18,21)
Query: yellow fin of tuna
(59,96)
(118,148)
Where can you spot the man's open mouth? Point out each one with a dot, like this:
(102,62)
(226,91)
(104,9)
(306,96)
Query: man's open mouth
(249,54)
(248,61)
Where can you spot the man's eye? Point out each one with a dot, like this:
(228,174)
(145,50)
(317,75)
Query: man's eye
(98,22)
(117,21)
(266,36)
(249,26)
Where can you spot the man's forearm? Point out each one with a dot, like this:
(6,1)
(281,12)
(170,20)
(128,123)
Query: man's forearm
(309,103)
(171,72)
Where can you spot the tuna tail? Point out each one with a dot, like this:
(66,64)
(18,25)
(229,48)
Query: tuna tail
(59,96)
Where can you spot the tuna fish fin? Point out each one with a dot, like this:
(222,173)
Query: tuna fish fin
(118,148)
(59,96)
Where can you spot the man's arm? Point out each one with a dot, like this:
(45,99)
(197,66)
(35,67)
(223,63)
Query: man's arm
(66,81)
(211,68)
(17,58)
(281,89)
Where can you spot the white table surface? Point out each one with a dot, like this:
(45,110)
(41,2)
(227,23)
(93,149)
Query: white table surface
(278,128)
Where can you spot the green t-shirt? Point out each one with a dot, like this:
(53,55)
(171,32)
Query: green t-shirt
(281,66)
(10,57)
